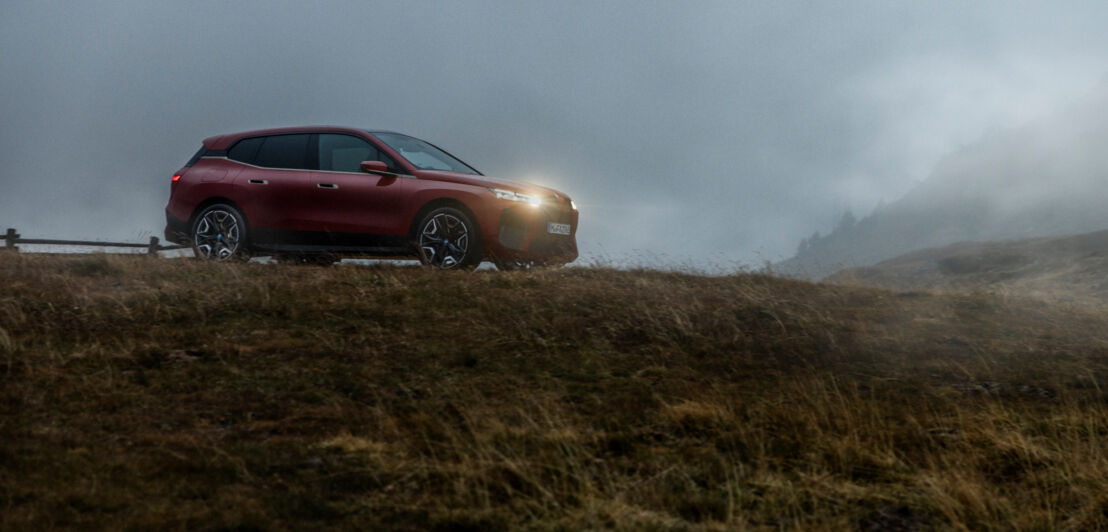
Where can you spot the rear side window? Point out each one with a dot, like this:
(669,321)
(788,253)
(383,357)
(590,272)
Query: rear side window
(344,153)
(245,150)
(282,151)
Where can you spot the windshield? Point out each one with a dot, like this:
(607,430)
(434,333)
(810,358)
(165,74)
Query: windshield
(423,155)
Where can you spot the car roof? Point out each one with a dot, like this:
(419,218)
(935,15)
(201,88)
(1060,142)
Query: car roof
(222,142)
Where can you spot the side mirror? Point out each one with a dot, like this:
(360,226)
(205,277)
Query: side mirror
(375,167)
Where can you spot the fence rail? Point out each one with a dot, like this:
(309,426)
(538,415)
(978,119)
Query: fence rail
(12,238)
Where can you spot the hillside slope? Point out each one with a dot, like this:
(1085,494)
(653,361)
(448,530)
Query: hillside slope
(1073,268)
(1045,178)
(171,394)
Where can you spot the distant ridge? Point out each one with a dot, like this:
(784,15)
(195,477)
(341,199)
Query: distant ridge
(1046,178)
(1070,269)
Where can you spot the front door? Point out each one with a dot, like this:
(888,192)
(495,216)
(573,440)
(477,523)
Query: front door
(353,207)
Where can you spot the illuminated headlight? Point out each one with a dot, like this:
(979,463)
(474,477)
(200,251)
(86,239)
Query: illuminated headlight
(572,204)
(534,201)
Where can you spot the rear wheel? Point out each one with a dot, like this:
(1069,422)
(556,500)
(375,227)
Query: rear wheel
(447,239)
(219,234)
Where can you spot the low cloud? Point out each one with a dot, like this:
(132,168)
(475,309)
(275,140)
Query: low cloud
(723,133)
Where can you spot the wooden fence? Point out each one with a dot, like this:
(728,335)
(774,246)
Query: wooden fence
(12,239)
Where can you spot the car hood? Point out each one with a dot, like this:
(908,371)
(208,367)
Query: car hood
(486,181)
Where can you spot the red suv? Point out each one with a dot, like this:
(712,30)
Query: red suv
(316,194)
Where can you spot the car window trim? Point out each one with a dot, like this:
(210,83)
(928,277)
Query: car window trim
(406,176)
(313,151)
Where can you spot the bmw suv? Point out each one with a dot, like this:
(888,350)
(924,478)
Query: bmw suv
(316,194)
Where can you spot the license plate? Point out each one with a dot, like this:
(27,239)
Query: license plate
(557,229)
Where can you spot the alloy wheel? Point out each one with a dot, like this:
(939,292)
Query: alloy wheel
(216,236)
(444,241)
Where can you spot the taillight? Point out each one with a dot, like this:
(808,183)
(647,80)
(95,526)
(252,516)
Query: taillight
(176,178)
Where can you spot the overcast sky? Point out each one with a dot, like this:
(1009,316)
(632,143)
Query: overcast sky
(687,132)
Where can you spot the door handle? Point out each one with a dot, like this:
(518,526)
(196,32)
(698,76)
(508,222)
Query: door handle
(259,182)
(327,185)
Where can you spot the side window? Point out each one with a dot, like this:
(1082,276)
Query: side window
(284,151)
(245,150)
(344,153)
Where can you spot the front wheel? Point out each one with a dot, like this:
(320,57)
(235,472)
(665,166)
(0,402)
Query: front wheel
(219,234)
(448,239)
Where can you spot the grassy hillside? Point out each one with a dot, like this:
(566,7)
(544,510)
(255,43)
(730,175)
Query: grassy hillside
(1065,269)
(172,394)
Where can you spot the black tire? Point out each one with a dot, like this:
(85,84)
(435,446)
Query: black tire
(219,233)
(448,239)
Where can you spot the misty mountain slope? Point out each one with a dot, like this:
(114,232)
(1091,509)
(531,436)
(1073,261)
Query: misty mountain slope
(1073,268)
(1047,178)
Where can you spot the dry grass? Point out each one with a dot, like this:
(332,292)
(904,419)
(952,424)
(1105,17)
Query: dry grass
(172,394)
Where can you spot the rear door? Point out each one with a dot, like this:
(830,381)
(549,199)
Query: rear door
(274,180)
(354,206)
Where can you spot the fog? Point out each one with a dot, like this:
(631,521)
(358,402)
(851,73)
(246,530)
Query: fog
(712,134)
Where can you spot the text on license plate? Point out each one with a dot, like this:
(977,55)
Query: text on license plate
(557,229)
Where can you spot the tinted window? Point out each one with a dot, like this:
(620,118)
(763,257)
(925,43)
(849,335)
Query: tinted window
(284,151)
(245,150)
(423,155)
(344,153)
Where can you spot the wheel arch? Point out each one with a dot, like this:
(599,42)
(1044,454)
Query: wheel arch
(443,202)
(212,201)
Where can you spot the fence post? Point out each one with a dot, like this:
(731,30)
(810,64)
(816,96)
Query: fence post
(9,240)
(152,249)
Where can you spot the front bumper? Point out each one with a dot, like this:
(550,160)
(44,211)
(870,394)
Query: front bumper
(522,234)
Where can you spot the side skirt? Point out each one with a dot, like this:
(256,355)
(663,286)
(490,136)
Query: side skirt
(319,242)
(338,250)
